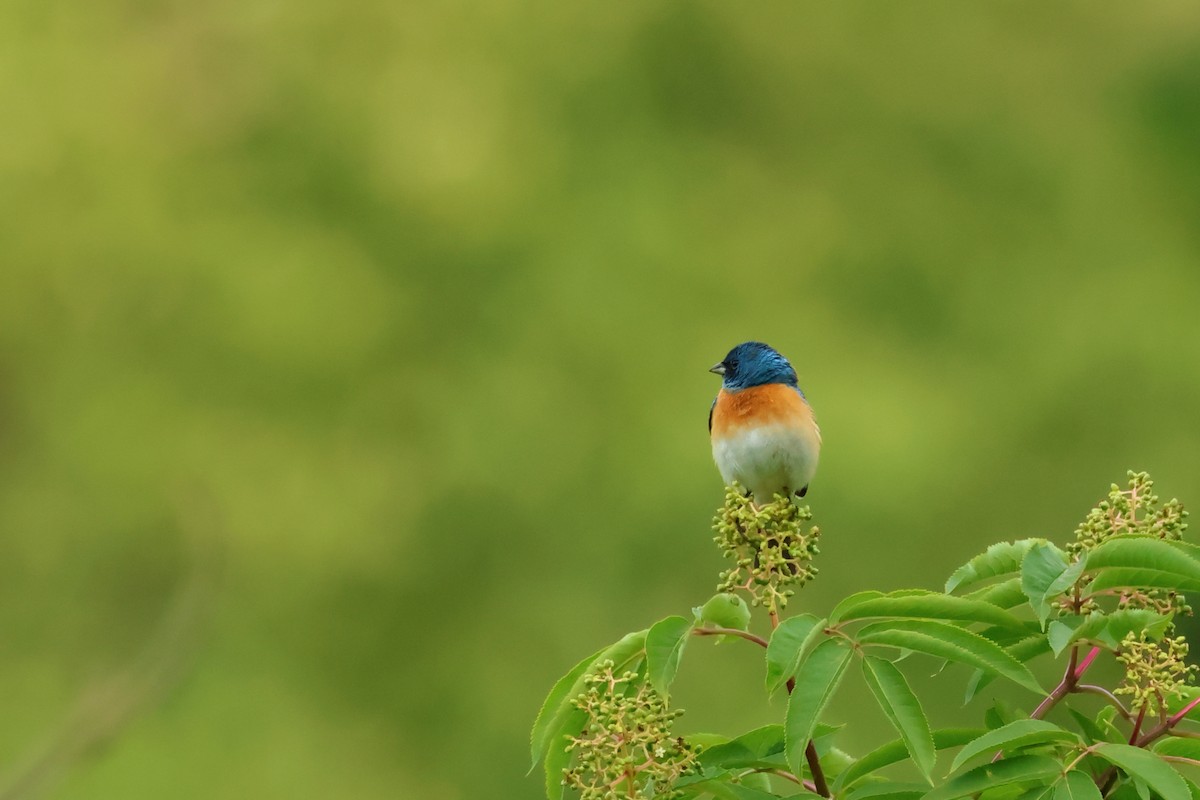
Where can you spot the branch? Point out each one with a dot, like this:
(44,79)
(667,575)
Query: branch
(783,773)
(1088,688)
(747,635)
(1166,725)
(1065,686)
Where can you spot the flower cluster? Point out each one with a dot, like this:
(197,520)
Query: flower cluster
(626,749)
(771,547)
(1131,511)
(1128,512)
(1154,670)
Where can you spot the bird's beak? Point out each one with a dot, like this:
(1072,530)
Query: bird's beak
(717,368)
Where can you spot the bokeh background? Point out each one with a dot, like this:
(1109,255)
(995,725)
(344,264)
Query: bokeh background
(352,355)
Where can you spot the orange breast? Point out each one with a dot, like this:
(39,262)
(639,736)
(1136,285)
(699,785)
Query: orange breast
(772,403)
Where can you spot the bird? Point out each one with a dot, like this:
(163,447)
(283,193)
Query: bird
(764,435)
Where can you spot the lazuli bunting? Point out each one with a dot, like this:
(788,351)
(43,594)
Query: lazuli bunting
(763,432)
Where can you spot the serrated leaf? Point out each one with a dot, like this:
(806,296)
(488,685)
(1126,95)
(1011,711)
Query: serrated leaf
(851,601)
(790,643)
(559,694)
(927,605)
(1010,637)
(1076,785)
(816,682)
(549,722)
(1187,548)
(903,710)
(1142,561)
(1024,650)
(1013,736)
(1128,577)
(1045,574)
(1003,558)
(1106,629)
(1145,766)
(951,643)
(1006,594)
(1021,769)
(896,751)
(664,648)
(748,750)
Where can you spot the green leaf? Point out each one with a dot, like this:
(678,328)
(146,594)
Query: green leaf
(1010,637)
(1105,629)
(1045,574)
(559,695)
(1127,577)
(896,751)
(1145,562)
(903,710)
(558,758)
(1005,594)
(1000,559)
(888,790)
(1023,650)
(1178,747)
(664,649)
(1001,713)
(1187,695)
(927,605)
(1036,793)
(706,741)
(1092,732)
(724,790)
(1146,766)
(789,644)
(548,726)
(852,601)
(952,643)
(1021,769)
(1076,785)
(1109,731)
(748,750)
(816,682)
(1013,736)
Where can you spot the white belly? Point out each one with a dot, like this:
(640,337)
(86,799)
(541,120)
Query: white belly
(768,459)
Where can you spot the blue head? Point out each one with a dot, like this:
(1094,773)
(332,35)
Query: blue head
(753,364)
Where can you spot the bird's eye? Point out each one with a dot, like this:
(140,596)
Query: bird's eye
(731,365)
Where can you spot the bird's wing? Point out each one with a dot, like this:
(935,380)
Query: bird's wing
(711,408)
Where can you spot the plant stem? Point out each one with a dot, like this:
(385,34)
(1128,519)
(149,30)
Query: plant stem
(1087,662)
(1065,686)
(1089,688)
(747,635)
(783,773)
(1166,725)
(814,766)
(1137,725)
(1108,779)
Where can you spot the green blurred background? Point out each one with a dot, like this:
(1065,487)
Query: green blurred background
(352,356)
